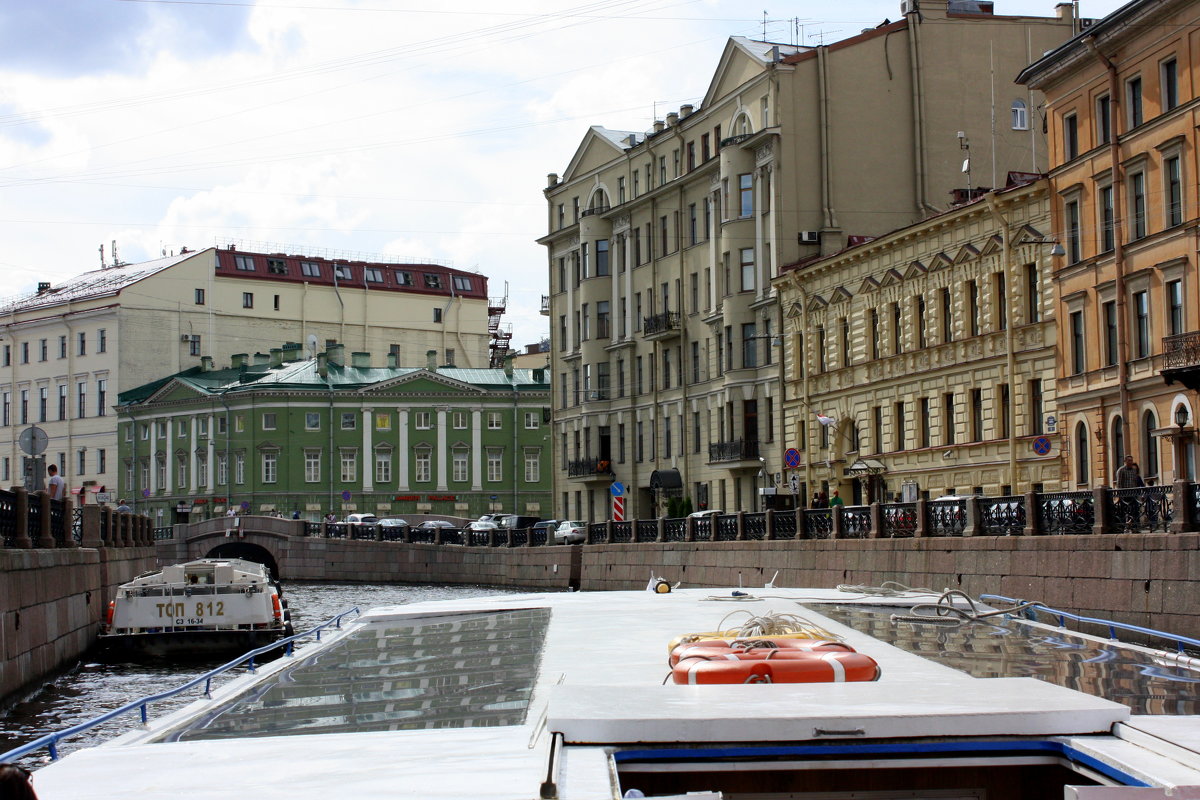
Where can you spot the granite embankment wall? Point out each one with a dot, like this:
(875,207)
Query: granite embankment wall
(52,601)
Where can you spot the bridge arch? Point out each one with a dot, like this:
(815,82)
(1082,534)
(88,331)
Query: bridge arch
(247,551)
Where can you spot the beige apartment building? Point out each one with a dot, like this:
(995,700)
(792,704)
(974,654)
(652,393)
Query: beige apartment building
(1123,110)
(68,350)
(922,363)
(666,340)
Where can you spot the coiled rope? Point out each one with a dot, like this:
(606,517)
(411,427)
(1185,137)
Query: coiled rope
(947,614)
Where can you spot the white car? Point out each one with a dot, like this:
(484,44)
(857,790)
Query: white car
(483,525)
(571,531)
(392,522)
(360,519)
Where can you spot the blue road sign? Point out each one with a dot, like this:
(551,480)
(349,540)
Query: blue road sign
(1041,445)
(617,489)
(791,457)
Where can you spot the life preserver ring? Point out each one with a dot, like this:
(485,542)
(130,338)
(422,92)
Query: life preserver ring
(819,667)
(754,648)
(662,587)
(108,615)
(276,608)
(811,632)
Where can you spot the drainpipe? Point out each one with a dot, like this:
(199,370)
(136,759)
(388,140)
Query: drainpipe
(918,130)
(1010,359)
(1118,182)
(830,220)
(337,292)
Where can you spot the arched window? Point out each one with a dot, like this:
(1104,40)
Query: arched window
(1082,454)
(741,125)
(1149,446)
(1020,116)
(1118,443)
(598,203)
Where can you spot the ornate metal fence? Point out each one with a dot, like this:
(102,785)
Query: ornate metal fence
(856,522)
(899,520)
(754,526)
(947,517)
(818,523)
(622,531)
(726,526)
(676,530)
(645,530)
(1001,516)
(1066,513)
(8,518)
(785,525)
(1149,509)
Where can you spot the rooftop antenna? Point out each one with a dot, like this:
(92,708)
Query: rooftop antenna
(764,25)
(116,261)
(965,146)
(102,264)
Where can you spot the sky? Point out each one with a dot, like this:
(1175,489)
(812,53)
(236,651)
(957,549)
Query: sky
(347,128)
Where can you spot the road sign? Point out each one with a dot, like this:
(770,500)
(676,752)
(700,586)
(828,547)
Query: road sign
(618,508)
(617,489)
(346,495)
(791,457)
(1041,445)
(795,483)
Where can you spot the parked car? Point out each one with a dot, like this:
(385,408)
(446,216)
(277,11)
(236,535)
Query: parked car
(436,523)
(570,531)
(517,521)
(547,525)
(707,513)
(482,525)
(393,522)
(360,519)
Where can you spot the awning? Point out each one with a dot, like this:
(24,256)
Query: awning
(866,466)
(667,482)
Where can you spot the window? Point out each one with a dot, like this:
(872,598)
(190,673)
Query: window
(276,302)
(423,420)
(924,421)
(1071,218)
(494,420)
(1035,407)
(101,398)
(602,267)
(277,266)
(1149,447)
(898,425)
(247,299)
(437,315)
(495,465)
(1033,294)
(310,269)
(194,345)
(342,272)
(43,402)
(1103,119)
(845,341)
(1174,307)
(462,283)
(268,421)
(1137,205)
(102,461)
(43,350)
(1118,439)
(1020,116)
(745,195)
(62,402)
(349,420)
(373,275)
(1141,324)
(181,469)
(458,420)
(1082,456)
(81,350)
(921,338)
(1001,303)
(897,329)
(349,464)
(1173,185)
(312,466)
(1109,311)
(533,466)
(7,409)
(1107,229)
(977,415)
(202,426)
(25,352)
(312,421)
(458,465)
(948,418)
(620,197)
(80,399)
(432,280)
(383,421)
(821,362)
(1005,410)
(747,268)
(244,263)
(1070,137)
(239,468)
(749,345)
(662,170)
(1168,73)
(8,355)
(270,467)
(404,278)
(532,420)
(1078,354)
(1133,100)
(239,423)
(424,464)
(873,324)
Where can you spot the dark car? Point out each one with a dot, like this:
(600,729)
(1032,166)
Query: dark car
(517,522)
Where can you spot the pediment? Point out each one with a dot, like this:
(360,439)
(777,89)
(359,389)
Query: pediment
(423,381)
(967,252)
(174,389)
(736,67)
(891,278)
(869,284)
(940,261)
(817,302)
(914,270)
(994,244)
(795,311)
(596,150)
(1027,234)
(840,295)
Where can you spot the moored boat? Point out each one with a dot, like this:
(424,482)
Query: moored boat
(197,609)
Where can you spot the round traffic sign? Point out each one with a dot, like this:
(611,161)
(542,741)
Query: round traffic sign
(791,457)
(1041,445)
(617,489)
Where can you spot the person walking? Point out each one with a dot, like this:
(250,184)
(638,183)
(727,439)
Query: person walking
(836,500)
(56,485)
(1129,477)
(123,507)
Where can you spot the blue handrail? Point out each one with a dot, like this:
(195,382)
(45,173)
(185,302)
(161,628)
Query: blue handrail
(51,740)
(1112,626)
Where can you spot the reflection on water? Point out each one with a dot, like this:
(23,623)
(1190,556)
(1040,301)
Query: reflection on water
(1009,648)
(465,671)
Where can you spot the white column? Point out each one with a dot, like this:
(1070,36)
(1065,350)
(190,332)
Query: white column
(440,455)
(477,450)
(211,467)
(368,459)
(402,450)
(193,443)
(153,487)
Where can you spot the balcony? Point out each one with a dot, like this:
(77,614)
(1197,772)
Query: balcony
(661,326)
(591,470)
(737,450)
(545,305)
(1181,359)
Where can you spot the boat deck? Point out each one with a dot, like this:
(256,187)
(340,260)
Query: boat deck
(488,698)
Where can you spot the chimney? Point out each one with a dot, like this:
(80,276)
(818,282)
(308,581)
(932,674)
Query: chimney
(508,365)
(276,357)
(552,180)
(237,361)
(336,354)
(43,287)
(1065,12)
(360,360)
(262,359)
(658,126)
(206,363)
(322,365)
(393,360)
(672,119)
(686,110)
(431,360)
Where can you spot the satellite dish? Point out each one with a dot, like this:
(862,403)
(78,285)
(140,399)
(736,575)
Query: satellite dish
(966,165)
(33,440)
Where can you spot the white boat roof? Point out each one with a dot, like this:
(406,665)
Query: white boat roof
(600,684)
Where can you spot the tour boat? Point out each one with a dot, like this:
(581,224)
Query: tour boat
(570,696)
(199,609)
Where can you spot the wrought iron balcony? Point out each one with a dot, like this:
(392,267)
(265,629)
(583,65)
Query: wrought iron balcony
(661,325)
(594,468)
(1181,359)
(736,450)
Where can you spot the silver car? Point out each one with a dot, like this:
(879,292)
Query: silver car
(571,531)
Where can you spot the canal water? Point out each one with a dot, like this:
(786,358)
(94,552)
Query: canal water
(92,688)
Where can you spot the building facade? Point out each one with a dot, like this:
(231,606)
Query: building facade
(279,432)
(67,351)
(922,363)
(1122,117)
(665,329)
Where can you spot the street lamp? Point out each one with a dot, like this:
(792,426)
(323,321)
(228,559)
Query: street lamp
(1181,417)
(762,473)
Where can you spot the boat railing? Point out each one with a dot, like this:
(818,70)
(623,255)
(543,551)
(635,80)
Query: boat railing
(50,741)
(1033,609)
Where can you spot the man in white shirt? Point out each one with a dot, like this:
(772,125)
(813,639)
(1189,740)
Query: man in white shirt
(56,485)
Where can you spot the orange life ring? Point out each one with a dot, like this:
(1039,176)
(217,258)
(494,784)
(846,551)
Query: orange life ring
(711,648)
(828,667)
(276,607)
(108,617)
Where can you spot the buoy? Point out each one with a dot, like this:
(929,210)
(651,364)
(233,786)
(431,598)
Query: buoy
(662,587)
(754,648)
(817,667)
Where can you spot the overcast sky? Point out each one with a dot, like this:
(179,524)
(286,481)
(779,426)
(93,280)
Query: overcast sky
(351,126)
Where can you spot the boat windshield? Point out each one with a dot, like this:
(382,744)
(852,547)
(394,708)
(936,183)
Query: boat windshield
(1012,648)
(461,671)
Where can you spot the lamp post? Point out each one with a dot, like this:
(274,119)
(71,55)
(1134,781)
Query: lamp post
(762,473)
(1182,467)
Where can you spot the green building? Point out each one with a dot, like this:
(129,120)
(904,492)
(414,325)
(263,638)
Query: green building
(283,433)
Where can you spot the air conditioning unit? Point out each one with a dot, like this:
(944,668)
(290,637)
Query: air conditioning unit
(185,338)
(809,237)
(908,6)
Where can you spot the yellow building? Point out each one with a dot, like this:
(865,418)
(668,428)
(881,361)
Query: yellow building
(921,363)
(1122,117)
(665,329)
